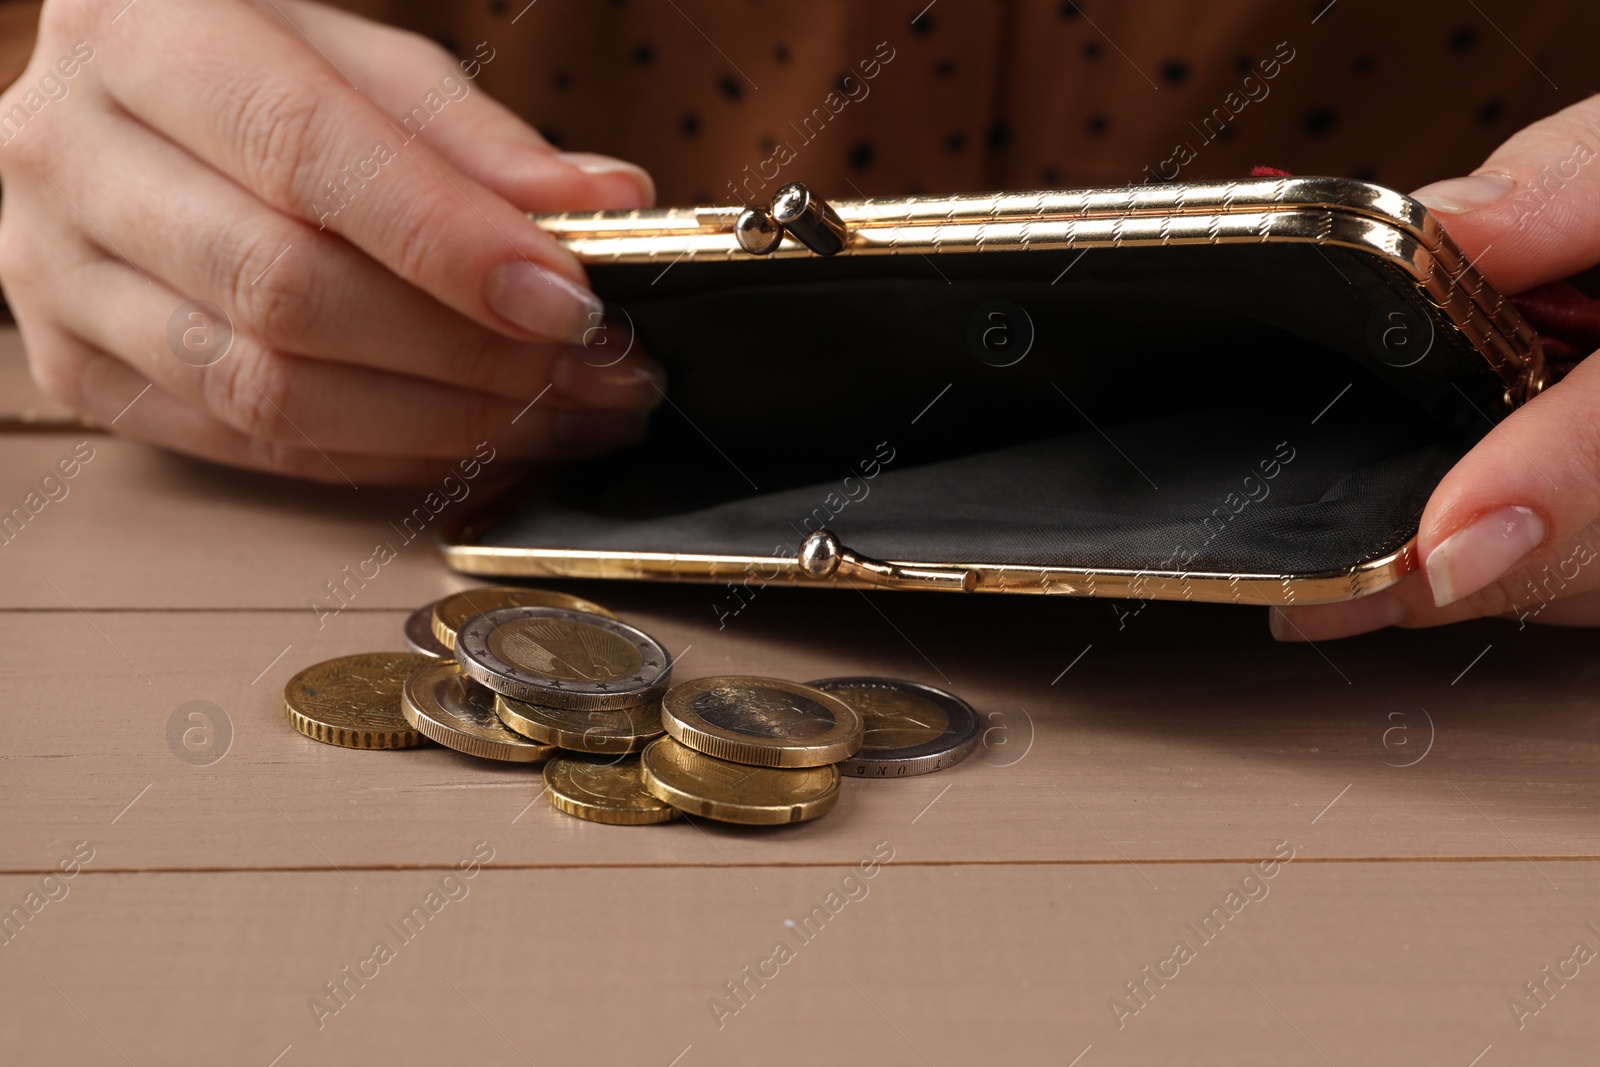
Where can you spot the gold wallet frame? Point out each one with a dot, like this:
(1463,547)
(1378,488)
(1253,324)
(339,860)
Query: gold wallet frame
(1320,211)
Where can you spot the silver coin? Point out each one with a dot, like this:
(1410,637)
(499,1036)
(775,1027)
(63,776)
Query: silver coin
(563,659)
(910,728)
(419,635)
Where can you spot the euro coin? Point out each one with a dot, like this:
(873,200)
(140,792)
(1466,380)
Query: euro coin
(354,701)
(419,634)
(910,728)
(605,790)
(563,659)
(452,613)
(765,722)
(699,784)
(615,731)
(443,704)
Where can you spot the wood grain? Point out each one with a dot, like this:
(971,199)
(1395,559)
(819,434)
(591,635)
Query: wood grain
(1437,791)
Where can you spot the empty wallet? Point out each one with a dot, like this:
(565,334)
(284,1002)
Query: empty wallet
(1235,392)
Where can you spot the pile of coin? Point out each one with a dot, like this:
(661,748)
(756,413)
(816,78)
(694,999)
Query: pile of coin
(543,677)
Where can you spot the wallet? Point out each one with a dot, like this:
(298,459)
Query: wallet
(1238,392)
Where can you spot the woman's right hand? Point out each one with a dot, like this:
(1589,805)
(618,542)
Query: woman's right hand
(351,202)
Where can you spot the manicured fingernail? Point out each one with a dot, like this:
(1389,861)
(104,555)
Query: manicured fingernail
(1456,196)
(1328,622)
(1481,552)
(542,301)
(599,431)
(633,383)
(643,186)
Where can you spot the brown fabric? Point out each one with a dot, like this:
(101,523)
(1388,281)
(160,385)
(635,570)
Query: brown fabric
(986,94)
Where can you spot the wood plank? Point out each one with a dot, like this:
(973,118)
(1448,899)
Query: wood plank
(1333,962)
(1191,736)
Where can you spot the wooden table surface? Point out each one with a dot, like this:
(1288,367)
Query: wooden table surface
(1365,849)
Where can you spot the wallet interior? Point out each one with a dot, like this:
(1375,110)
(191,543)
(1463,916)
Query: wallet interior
(1235,410)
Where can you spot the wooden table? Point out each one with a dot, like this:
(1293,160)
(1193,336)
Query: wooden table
(1428,800)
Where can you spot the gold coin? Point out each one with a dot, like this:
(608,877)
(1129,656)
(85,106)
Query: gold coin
(443,704)
(451,613)
(766,722)
(354,701)
(621,730)
(603,790)
(699,784)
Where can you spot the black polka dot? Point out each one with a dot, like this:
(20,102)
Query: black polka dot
(1174,72)
(955,143)
(1050,176)
(845,81)
(497,7)
(780,54)
(729,87)
(999,136)
(701,198)
(1091,50)
(922,24)
(1098,124)
(1244,64)
(1225,133)
(1319,120)
(1069,11)
(1364,174)
(689,124)
(1364,64)
(768,145)
(553,136)
(1463,39)
(861,155)
(1490,112)
(916,190)
(944,68)
(561,81)
(447,42)
(644,55)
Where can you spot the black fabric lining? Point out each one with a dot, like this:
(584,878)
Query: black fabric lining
(1233,417)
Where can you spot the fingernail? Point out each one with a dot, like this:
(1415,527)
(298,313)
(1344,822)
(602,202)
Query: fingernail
(598,431)
(635,382)
(542,301)
(1329,622)
(1456,196)
(1481,552)
(644,187)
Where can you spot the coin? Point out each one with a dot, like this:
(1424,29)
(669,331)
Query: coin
(354,701)
(699,784)
(618,730)
(559,658)
(452,613)
(766,722)
(445,705)
(910,728)
(603,790)
(419,634)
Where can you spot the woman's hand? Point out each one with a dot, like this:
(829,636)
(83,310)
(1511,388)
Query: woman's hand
(350,201)
(1514,528)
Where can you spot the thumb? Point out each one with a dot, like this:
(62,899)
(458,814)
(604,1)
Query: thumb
(1531,213)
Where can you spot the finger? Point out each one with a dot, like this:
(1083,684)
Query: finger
(432,95)
(298,290)
(303,403)
(112,394)
(1512,527)
(277,118)
(1531,213)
